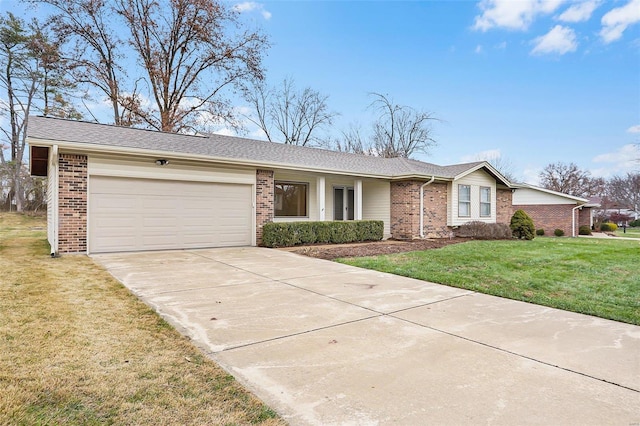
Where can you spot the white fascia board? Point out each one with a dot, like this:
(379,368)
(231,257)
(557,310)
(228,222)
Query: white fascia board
(492,169)
(87,148)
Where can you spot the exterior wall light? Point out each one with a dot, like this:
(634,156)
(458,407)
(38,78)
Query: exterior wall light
(162,162)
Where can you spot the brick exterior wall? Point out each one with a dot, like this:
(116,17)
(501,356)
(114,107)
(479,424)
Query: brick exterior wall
(504,206)
(264,201)
(550,217)
(72,203)
(405,209)
(584,217)
(435,211)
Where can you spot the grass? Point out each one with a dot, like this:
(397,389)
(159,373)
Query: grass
(77,348)
(591,276)
(631,232)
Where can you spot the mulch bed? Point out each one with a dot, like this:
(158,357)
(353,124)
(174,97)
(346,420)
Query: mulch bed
(374,248)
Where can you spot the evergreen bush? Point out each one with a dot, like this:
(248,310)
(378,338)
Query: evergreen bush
(522,225)
(584,230)
(540,232)
(558,233)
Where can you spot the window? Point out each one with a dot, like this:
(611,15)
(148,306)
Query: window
(485,201)
(290,199)
(464,200)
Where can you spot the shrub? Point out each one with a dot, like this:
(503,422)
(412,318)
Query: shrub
(635,223)
(540,232)
(287,234)
(484,231)
(584,230)
(608,227)
(558,233)
(522,225)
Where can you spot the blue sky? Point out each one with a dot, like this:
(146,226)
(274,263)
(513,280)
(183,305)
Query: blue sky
(530,81)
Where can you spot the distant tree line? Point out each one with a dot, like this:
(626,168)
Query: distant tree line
(616,193)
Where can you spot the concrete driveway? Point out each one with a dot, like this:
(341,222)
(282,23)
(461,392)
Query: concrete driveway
(324,343)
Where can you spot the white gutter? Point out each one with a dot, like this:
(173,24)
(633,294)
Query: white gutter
(573,220)
(422,204)
(53,174)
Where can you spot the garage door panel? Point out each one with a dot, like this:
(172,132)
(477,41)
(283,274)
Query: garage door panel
(140,214)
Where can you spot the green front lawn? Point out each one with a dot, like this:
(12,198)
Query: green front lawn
(631,232)
(591,276)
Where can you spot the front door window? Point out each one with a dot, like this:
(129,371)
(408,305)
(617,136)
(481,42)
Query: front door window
(343,203)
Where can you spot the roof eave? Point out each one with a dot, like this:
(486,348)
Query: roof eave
(101,149)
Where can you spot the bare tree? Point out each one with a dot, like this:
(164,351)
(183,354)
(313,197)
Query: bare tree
(94,52)
(352,140)
(30,81)
(290,116)
(191,51)
(400,131)
(569,179)
(624,191)
(502,164)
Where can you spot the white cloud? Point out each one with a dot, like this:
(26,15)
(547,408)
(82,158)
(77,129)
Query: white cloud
(478,49)
(502,45)
(250,6)
(621,160)
(616,21)
(559,40)
(513,15)
(580,12)
(488,155)
(634,129)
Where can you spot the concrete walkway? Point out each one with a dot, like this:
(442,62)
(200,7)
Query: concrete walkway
(324,343)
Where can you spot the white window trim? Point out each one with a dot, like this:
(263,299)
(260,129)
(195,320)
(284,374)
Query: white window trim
(485,202)
(468,201)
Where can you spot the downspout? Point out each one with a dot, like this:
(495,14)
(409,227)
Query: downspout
(573,220)
(54,199)
(422,204)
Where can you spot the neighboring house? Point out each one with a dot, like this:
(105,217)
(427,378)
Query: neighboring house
(122,189)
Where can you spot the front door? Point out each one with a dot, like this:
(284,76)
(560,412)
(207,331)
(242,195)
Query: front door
(343,203)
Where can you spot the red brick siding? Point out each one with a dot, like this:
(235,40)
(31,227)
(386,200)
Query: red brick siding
(72,203)
(405,209)
(435,211)
(550,217)
(504,206)
(584,217)
(264,201)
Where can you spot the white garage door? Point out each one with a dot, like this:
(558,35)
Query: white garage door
(143,214)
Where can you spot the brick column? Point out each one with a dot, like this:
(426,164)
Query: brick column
(435,210)
(405,209)
(504,206)
(264,201)
(72,203)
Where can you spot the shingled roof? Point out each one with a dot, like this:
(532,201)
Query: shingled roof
(102,137)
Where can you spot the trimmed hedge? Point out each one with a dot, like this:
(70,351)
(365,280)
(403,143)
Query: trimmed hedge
(608,227)
(287,234)
(558,232)
(635,223)
(540,232)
